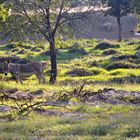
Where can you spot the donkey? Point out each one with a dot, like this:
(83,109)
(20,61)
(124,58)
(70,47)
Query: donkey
(20,71)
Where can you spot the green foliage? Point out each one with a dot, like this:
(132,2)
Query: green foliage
(110,124)
(3,13)
(119,8)
(132,133)
(74,66)
(106,45)
(122,64)
(86,71)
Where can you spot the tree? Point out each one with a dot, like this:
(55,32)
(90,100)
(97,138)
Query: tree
(45,18)
(118,9)
(137,6)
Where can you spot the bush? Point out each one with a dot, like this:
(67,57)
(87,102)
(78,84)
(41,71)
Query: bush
(9,46)
(123,57)
(106,45)
(25,46)
(117,65)
(101,130)
(110,52)
(36,49)
(93,63)
(79,72)
(76,45)
(138,48)
(132,132)
(79,51)
(21,52)
(128,79)
(86,72)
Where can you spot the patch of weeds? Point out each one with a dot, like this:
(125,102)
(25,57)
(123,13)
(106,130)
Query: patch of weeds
(78,51)
(79,72)
(132,133)
(76,45)
(106,45)
(81,108)
(123,57)
(86,71)
(93,63)
(36,49)
(122,64)
(110,52)
(101,130)
(138,48)
(23,51)
(9,46)
(128,79)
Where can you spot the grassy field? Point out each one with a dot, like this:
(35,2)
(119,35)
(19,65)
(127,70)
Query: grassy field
(84,123)
(93,63)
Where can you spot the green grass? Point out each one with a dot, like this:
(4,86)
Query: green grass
(93,63)
(97,124)
(104,122)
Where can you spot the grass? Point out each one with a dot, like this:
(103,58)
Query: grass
(103,122)
(112,124)
(93,63)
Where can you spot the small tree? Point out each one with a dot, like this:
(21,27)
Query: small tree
(45,18)
(118,9)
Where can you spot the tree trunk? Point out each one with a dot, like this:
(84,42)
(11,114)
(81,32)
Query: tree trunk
(119,29)
(53,62)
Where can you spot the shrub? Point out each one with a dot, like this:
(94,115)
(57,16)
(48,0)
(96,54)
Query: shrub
(106,45)
(93,63)
(123,57)
(86,72)
(79,72)
(21,52)
(36,49)
(117,65)
(25,46)
(138,48)
(110,52)
(128,79)
(15,50)
(132,133)
(9,46)
(79,51)
(101,130)
(76,45)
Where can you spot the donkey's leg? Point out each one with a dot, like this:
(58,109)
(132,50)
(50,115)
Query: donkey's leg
(43,78)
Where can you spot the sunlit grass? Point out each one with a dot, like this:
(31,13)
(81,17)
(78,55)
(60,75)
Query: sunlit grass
(115,123)
(104,122)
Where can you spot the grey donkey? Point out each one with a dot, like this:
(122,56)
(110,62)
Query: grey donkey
(21,71)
